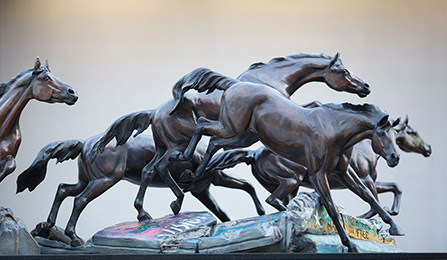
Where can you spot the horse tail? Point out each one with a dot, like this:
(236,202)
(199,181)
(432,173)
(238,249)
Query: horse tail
(200,79)
(231,158)
(60,150)
(122,129)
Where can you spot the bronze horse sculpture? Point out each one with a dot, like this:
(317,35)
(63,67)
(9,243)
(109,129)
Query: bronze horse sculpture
(173,132)
(111,166)
(320,139)
(275,172)
(36,83)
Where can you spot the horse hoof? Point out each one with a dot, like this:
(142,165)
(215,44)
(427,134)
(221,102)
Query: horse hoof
(144,216)
(187,176)
(176,156)
(175,207)
(42,230)
(391,212)
(354,249)
(368,214)
(77,242)
(396,231)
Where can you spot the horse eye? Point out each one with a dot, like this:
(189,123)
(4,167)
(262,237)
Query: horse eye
(47,78)
(346,72)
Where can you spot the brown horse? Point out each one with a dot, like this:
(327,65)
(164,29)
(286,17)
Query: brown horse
(36,83)
(115,164)
(275,172)
(172,133)
(320,139)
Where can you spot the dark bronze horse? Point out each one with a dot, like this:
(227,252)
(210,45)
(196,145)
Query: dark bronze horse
(173,132)
(320,139)
(276,172)
(115,164)
(36,83)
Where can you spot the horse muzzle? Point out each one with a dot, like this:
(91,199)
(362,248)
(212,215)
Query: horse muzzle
(71,97)
(393,160)
(426,150)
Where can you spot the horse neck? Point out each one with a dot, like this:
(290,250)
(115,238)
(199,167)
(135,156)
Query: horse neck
(354,128)
(12,104)
(288,77)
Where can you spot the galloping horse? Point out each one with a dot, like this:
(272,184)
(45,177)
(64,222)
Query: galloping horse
(320,139)
(115,164)
(36,83)
(173,132)
(274,171)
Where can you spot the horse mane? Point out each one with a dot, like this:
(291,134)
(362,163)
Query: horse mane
(258,65)
(4,87)
(371,109)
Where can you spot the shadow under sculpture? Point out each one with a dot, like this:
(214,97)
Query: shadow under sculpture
(320,139)
(276,173)
(36,83)
(172,133)
(114,164)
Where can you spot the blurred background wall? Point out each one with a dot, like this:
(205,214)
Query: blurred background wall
(124,56)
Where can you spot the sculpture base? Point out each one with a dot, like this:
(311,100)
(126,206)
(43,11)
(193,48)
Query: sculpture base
(305,228)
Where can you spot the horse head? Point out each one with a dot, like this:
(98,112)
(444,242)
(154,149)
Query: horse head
(383,141)
(341,79)
(409,140)
(49,88)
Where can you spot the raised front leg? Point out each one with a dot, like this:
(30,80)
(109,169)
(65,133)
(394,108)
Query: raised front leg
(394,188)
(189,151)
(208,127)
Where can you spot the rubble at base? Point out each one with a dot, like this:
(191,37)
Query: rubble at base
(305,227)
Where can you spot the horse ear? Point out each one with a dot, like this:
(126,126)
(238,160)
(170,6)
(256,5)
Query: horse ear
(383,122)
(406,120)
(334,59)
(46,65)
(396,122)
(37,63)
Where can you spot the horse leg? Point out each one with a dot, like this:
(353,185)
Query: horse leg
(396,189)
(93,190)
(320,183)
(8,168)
(162,167)
(369,183)
(207,127)
(353,183)
(63,191)
(147,174)
(209,202)
(285,187)
(224,180)
(216,144)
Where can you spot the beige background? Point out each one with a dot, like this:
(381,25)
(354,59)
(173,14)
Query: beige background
(124,56)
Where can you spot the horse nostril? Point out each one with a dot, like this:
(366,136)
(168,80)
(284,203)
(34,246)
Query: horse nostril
(367,85)
(71,91)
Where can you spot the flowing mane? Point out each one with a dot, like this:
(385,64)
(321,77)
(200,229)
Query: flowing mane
(370,109)
(276,60)
(4,87)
